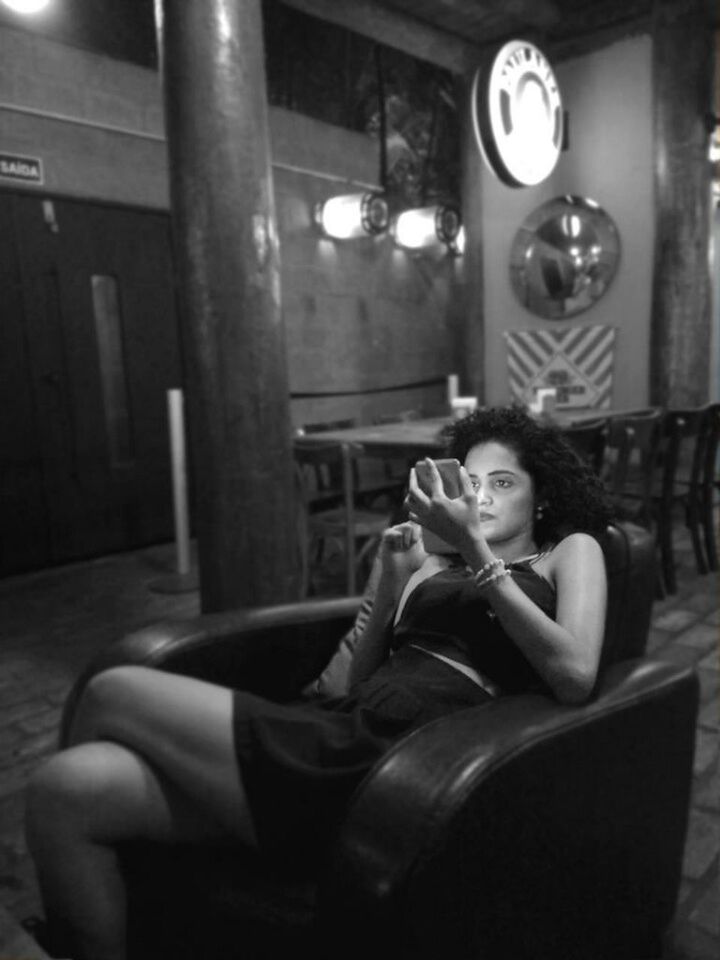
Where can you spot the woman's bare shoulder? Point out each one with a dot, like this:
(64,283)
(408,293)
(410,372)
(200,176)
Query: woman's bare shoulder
(575,542)
(577,549)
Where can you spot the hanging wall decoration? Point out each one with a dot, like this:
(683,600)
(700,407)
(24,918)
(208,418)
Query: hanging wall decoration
(576,363)
(564,257)
(517,114)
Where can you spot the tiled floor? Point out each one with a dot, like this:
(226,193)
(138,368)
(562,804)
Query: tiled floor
(53,622)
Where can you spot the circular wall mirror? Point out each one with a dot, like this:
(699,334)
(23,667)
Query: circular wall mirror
(564,257)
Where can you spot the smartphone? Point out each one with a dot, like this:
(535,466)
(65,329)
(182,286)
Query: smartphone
(450,473)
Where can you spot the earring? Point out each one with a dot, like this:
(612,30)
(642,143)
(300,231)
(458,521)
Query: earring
(539,513)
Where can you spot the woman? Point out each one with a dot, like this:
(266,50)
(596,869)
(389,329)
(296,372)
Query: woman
(518,604)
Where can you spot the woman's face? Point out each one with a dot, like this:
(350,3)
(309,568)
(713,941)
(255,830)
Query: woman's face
(505,492)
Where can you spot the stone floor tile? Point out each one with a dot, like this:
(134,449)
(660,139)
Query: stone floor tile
(709,683)
(707,913)
(14,779)
(709,715)
(703,636)
(22,711)
(706,603)
(711,661)
(684,656)
(674,620)
(689,942)
(706,751)
(707,790)
(36,746)
(657,639)
(49,719)
(702,845)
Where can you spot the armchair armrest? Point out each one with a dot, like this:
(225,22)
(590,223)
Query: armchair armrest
(559,805)
(273,651)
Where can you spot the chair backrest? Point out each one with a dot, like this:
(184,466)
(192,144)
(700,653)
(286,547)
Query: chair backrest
(631,456)
(589,440)
(399,416)
(709,443)
(331,482)
(324,479)
(681,453)
(690,453)
(630,562)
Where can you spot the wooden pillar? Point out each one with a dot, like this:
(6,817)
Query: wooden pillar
(681,308)
(226,255)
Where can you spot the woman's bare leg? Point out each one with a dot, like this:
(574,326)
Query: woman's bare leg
(182,726)
(153,759)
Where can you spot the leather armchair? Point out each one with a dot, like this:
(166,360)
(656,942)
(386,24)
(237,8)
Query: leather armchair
(519,829)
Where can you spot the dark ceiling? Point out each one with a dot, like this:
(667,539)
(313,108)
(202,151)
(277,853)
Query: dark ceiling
(124,29)
(489,20)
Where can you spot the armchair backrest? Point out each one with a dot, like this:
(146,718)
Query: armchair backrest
(630,562)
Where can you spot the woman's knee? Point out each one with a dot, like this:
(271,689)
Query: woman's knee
(96,791)
(107,697)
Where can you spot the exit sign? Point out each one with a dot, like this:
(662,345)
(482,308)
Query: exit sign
(24,169)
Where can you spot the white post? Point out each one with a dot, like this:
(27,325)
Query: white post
(453,388)
(179,480)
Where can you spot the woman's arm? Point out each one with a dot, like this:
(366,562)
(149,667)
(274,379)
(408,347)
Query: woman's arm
(565,651)
(401,553)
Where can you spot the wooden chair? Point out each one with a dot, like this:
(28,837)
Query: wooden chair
(329,482)
(689,480)
(630,463)
(519,830)
(330,513)
(589,440)
(709,480)
(383,476)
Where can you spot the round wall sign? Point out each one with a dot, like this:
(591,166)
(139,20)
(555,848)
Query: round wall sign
(517,114)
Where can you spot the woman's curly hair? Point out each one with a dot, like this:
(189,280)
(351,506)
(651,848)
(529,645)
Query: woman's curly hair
(572,496)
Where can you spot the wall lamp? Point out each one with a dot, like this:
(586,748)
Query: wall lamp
(425,228)
(26,6)
(353,215)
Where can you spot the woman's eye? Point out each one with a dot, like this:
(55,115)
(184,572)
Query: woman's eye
(503,483)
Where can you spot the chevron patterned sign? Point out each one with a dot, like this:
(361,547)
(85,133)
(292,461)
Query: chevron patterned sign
(578,363)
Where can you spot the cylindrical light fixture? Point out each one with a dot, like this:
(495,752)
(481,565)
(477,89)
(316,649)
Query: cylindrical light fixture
(457,246)
(427,227)
(353,215)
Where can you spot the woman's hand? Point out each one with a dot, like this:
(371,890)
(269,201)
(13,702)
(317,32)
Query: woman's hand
(455,521)
(402,553)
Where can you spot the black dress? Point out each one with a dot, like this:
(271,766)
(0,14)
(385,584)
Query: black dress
(300,762)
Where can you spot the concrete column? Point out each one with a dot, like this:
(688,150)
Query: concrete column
(227,263)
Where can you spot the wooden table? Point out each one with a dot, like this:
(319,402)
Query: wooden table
(420,437)
(407,438)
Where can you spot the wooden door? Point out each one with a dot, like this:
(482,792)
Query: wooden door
(99,351)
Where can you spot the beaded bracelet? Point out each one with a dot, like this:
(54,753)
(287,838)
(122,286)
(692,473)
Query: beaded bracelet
(491,572)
